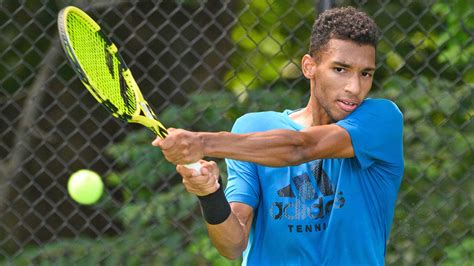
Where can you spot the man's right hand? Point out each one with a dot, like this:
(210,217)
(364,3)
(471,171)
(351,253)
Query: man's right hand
(202,184)
(180,146)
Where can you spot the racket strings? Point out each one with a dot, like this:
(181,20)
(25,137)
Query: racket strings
(103,67)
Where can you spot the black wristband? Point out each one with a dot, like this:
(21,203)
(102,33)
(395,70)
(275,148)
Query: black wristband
(215,207)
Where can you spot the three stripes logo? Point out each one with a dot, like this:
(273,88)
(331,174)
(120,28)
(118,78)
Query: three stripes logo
(307,197)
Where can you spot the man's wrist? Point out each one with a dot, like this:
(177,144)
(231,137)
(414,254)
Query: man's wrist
(204,139)
(215,207)
(216,144)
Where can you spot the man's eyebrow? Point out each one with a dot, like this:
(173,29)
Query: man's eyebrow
(348,66)
(341,64)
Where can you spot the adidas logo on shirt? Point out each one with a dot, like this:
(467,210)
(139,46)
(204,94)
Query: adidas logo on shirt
(301,200)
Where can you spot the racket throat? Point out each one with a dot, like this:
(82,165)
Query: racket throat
(157,128)
(147,111)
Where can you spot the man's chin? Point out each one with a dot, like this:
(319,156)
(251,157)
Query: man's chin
(339,117)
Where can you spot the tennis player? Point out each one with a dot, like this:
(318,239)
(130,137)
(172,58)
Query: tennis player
(313,186)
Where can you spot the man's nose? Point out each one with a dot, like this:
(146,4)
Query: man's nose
(354,85)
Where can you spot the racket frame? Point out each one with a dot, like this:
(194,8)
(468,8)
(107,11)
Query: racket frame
(149,118)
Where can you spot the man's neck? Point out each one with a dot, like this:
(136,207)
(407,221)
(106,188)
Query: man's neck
(311,115)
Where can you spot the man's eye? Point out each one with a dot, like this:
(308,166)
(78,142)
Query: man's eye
(339,69)
(367,74)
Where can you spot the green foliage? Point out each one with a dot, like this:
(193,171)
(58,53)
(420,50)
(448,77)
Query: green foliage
(456,40)
(438,155)
(270,37)
(460,254)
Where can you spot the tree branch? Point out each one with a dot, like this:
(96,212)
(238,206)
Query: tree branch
(10,169)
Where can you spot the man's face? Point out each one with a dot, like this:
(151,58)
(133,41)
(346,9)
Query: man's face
(343,77)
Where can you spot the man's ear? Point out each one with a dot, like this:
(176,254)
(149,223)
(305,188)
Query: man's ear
(308,66)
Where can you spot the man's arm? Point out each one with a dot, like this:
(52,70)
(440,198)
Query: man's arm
(229,233)
(271,148)
(230,237)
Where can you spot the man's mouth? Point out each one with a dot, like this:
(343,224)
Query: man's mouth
(347,105)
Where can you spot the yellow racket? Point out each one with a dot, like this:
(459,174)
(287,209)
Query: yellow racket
(103,71)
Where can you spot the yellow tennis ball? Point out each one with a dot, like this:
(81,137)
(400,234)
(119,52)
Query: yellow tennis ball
(85,187)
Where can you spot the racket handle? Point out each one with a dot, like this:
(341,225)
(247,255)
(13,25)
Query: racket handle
(194,166)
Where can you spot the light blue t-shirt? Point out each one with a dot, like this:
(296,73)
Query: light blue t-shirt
(324,212)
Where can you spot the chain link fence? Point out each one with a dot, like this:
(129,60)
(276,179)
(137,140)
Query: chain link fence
(202,64)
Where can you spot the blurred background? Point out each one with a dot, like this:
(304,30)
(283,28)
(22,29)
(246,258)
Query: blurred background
(202,64)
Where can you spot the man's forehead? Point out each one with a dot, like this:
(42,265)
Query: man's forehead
(349,52)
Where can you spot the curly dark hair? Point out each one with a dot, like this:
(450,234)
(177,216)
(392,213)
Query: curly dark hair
(344,23)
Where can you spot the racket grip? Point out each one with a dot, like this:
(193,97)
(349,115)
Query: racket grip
(194,166)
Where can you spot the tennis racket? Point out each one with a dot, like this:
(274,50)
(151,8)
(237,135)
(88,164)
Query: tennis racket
(102,70)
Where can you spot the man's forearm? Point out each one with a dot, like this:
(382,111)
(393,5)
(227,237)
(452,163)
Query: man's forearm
(272,148)
(228,237)
(279,147)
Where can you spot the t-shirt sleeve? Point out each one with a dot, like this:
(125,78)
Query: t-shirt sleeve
(243,184)
(376,131)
